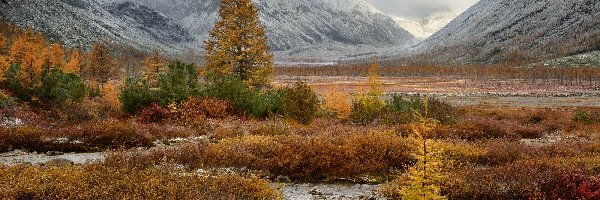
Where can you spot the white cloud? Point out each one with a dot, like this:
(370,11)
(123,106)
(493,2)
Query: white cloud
(417,8)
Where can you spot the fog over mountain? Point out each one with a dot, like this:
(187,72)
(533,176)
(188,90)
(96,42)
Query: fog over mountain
(424,17)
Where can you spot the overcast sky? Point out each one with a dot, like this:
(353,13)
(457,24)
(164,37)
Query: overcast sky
(417,8)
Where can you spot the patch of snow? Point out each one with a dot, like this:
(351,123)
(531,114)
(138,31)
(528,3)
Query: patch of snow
(11,122)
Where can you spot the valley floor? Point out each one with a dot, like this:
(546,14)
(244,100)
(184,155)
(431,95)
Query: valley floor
(507,140)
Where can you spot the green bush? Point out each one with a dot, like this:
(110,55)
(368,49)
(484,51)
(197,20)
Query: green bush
(366,109)
(54,86)
(266,103)
(178,84)
(301,103)
(244,100)
(3,100)
(232,90)
(136,95)
(400,111)
(57,87)
(441,111)
(581,116)
(13,83)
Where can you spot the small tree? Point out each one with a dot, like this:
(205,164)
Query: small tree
(57,56)
(238,45)
(427,171)
(74,64)
(368,107)
(374,81)
(57,87)
(301,103)
(101,63)
(4,64)
(154,66)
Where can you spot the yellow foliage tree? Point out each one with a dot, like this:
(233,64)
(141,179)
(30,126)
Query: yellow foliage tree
(110,93)
(74,64)
(374,81)
(57,56)
(43,59)
(26,51)
(101,64)
(154,66)
(4,64)
(424,176)
(238,45)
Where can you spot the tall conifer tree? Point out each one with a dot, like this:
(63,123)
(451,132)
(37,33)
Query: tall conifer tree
(238,45)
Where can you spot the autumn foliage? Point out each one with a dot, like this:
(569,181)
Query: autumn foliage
(95,181)
(238,45)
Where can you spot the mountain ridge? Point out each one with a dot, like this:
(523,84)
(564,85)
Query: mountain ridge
(495,31)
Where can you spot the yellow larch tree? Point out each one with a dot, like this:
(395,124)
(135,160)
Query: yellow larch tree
(74,64)
(373,80)
(153,67)
(101,64)
(57,56)
(4,64)
(238,45)
(43,59)
(26,51)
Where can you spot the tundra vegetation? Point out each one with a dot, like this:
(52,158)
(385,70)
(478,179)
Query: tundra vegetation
(233,113)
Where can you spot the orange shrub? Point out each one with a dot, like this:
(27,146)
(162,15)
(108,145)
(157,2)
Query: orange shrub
(108,134)
(208,107)
(20,138)
(99,182)
(300,157)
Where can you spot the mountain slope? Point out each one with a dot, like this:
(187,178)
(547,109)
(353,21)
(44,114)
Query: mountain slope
(501,30)
(297,26)
(79,23)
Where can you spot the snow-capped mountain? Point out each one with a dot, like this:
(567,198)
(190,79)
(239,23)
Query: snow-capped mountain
(303,28)
(79,23)
(499,30)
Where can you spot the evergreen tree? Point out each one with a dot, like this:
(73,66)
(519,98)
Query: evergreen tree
(178,84)
(238,45)
(101,64)
(154,66)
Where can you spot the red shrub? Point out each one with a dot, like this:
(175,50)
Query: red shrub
(576,185)
(154,114)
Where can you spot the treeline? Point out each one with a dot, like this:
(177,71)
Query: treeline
(518,74)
